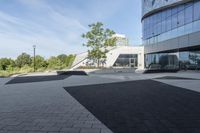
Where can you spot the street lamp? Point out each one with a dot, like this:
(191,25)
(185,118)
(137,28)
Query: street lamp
(34,46)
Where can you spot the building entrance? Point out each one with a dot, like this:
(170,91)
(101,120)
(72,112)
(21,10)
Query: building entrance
(132,62)
(127,60)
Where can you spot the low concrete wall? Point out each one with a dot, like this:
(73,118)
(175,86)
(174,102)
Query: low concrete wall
(112,70)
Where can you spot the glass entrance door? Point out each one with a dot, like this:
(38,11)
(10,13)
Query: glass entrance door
(132,62)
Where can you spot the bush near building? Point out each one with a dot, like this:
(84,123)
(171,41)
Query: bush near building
(24,63)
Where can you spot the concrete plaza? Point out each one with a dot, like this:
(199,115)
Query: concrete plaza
(41,107)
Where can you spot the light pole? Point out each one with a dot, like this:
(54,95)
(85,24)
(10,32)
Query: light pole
(34,46)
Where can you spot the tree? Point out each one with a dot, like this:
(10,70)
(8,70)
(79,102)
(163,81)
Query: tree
(66,60)
(98,39)
(23,59)
(39,62)
(69,60)
(54,63)
(6,63)
(62,58)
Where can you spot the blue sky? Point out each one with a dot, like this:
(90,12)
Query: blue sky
(55,26)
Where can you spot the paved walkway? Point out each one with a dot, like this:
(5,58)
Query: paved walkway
(41,107)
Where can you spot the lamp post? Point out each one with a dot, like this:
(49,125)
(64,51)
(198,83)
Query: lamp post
(34,46)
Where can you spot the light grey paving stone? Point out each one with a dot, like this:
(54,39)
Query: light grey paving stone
(187,84)
(70,130)
(55,129)
(36,132)
(41,106)
(32,128)
(46,124)
(12,128)
(90,131)
(64,125)
(10,121)
(84,125)
(3,81)
(14,131)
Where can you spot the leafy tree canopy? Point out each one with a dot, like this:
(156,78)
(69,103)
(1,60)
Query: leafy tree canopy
(54,63)
(23,59)
(40,62)
(5,63)
(98,39)
(62,58)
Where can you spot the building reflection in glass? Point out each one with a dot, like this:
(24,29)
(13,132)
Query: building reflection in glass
(173,61)
(171,23)
(126,60)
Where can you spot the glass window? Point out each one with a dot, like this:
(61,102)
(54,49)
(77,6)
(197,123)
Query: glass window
(174,17)
(142,25)
(188,28)
(180,18)
(181,8)
(174,10)
(174,21)
(196,26)
(147,33)
(197,10)
(153,19)
(180,31)
(150,26)
(188,13)
(147,28)
(155,29)
(162,61)
(163,26)
(159,28)
(163,23)
(126,60)
(168,23)
(159,17)
(168,20)
(164,15)
(168,13)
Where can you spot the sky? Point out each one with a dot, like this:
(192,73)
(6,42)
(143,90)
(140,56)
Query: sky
(56,26)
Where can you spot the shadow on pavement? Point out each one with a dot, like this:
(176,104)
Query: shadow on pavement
(144,106)
(61,75)
(176,78)
(30,79)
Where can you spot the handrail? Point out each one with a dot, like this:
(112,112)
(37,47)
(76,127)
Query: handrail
(79,62)
(87,57)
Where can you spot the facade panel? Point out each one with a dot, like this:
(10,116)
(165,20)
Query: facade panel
(171,33)
(150,5)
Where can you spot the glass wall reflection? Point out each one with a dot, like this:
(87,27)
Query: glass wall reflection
(126,60)
(170,23)
(189,60)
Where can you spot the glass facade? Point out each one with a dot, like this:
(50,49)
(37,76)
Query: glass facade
(126,60)
(150,5)
(171,23)
(187,60)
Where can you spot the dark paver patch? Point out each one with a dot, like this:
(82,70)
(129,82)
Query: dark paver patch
(83,73)
(176,78)
(144,106)
(30,79)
